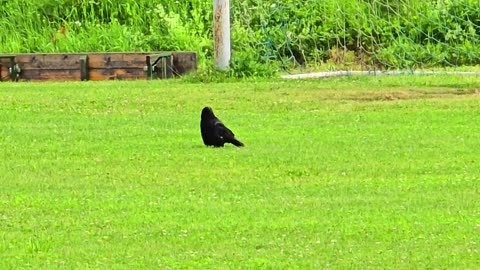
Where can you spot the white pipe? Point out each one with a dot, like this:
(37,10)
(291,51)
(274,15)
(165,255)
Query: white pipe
(221,33)
(376,73)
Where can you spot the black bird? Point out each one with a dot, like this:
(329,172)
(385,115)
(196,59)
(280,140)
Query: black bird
(214,132)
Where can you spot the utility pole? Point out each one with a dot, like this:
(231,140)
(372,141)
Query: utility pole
(221,33)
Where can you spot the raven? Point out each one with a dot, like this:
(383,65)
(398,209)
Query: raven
(214,132)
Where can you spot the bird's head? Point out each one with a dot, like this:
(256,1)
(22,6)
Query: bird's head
(207,113)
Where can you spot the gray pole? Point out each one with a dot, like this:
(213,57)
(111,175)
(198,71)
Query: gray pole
(221,33)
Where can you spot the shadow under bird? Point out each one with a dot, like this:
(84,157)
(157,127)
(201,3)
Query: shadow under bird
(214,132)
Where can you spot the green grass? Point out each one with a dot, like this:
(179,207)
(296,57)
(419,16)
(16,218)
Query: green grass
(342,173)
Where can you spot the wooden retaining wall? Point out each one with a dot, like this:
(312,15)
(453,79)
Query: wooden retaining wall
(96,66)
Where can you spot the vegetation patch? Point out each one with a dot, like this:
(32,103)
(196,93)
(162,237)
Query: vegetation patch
(267,35)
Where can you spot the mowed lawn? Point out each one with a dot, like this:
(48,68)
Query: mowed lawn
(340,173)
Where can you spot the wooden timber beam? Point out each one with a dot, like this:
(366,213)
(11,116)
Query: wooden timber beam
(99,66)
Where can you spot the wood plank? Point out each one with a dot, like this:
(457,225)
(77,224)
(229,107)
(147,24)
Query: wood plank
(99,66)
(48,61)
(6,60)
(184,62)
(117,60)
(49,74)
(117,74)
(4,75)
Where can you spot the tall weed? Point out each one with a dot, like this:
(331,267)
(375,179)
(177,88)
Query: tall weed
(266,34)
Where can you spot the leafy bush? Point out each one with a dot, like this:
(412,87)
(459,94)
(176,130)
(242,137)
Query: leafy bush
(266,35)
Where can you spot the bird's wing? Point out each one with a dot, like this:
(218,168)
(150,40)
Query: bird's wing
(222,132)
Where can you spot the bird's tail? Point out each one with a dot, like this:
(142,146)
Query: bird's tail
(237,142)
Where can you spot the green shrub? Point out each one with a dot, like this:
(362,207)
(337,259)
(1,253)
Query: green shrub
(287,34)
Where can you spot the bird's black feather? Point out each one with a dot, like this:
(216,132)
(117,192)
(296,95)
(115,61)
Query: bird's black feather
(214,132)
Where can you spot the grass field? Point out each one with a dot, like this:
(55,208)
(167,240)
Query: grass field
(340,173)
